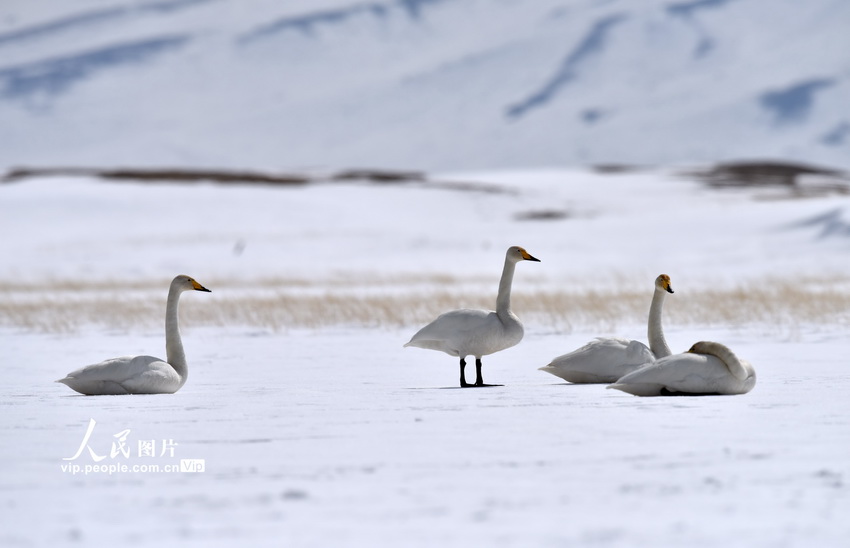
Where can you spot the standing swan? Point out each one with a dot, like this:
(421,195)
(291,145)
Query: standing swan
(141,374)
(477,332)
(604,360)
(707,369)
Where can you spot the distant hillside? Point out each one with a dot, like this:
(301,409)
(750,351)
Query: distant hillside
(423,84)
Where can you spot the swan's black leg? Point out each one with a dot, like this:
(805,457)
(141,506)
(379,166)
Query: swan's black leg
(463,383)
(479,379)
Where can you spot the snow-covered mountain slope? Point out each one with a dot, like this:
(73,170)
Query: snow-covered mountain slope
(423,84)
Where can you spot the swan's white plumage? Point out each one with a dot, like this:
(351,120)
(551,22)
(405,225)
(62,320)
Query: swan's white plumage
(141,374)
(605,360)
(602,360)
(707,368)
(468,332)
(125,375)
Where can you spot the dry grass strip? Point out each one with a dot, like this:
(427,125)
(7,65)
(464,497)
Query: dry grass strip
(66,307)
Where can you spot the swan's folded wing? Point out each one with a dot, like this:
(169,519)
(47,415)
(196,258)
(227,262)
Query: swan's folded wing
(124,375)
(116,369)
(597,352)
(686,373)
(638,354)
(599,361)
(450,329)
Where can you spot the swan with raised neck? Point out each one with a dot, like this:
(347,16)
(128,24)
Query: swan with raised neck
(654,331)
(606,359)
(466,332)
(142,374)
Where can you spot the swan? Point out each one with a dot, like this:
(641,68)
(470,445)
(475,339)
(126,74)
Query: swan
(478,333)
(141,374)
(708,369)
(605,360)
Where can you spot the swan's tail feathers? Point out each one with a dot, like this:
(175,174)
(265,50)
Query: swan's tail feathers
(428,344)
(552,370)
(637,388)
(412,342)
(64,380)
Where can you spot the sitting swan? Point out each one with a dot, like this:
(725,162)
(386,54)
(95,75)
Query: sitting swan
(477,332)
(604,360)
(707,369)
(141,374)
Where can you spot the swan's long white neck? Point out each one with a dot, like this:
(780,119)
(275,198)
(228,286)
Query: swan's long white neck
(503,301)
(721,352)
(655,334)
(173,344)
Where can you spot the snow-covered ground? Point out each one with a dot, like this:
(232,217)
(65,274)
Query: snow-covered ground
(336,435)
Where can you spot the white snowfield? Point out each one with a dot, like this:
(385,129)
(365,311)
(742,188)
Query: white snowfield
(335,435)
(422,84)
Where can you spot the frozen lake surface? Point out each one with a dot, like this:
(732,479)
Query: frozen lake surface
(343,438)
(335,435)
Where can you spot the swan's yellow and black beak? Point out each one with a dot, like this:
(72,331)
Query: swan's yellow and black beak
(665,283)
(198,287)
(525,255)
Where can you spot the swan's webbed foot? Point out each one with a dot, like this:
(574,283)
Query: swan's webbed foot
(479,380)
